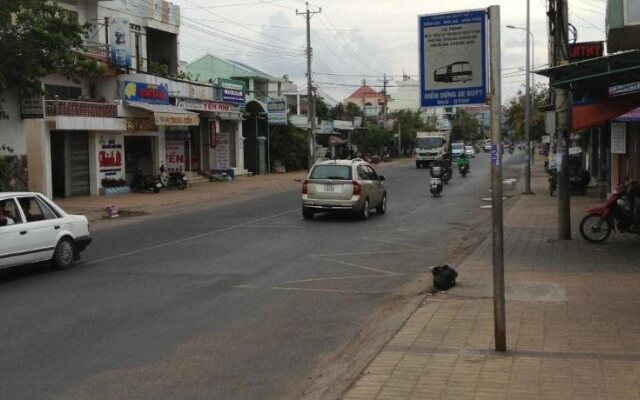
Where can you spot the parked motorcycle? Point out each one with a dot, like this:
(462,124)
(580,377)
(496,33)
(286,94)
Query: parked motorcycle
(616,213)
(145,182)
(173,179)
(464,170)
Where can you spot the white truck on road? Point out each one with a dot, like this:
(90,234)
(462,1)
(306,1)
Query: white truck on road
(430,146)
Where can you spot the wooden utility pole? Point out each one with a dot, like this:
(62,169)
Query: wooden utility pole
(558,47)
(384,101)
(310,100)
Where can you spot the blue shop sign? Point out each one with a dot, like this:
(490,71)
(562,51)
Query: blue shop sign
(232,91)
(145,93)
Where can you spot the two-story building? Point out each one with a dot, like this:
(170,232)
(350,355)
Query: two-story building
(605,90)
(90,136)
(254,84)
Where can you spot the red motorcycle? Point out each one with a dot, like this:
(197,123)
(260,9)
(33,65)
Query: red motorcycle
(615,213)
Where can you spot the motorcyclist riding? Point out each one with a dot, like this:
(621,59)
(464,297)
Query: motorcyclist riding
(436,169)
(463,160)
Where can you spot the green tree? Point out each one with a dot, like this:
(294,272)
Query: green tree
(464,126)
(373,140)
(41,38)
(289,146)
(409,122)
(345,112)
(515,110)
(322,110)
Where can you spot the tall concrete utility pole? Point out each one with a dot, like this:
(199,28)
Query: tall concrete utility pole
(499,313)
(310,100)
(558,45)
(527,113)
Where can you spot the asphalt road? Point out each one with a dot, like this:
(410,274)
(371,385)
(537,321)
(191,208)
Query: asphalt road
(244,301)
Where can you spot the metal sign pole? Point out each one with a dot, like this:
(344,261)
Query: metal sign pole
(496,181)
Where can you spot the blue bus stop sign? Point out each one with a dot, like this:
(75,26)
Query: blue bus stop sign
(453,58)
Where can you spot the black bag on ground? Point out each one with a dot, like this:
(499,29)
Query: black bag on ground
(444,277)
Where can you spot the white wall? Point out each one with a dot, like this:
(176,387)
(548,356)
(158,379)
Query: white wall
(12,129)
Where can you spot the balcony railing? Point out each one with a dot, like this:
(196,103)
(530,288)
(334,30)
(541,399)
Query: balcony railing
(71,108)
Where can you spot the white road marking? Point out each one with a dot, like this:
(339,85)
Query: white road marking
(186,239)
(336,278)
(309,289)
(389,273)
(394,243)
(359,253)
(270,226)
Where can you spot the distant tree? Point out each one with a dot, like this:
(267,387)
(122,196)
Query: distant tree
(464,126)
(345,112)
(373,140)
(322,110)
(515,114)
(289,146)
(38,37)
(408,122)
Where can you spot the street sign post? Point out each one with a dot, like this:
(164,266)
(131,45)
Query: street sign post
(453,58)
(453,72)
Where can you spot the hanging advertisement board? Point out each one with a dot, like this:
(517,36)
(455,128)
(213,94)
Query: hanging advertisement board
(120,52)
(232,91)
(277,111)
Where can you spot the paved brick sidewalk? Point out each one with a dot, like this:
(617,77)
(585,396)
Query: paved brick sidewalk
(573,320)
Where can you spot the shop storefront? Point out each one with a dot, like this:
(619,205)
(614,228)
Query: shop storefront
(157,133)
(217,142)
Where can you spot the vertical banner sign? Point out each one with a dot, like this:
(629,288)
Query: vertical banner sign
(213,133)
(175,155)
(110,156)
(496,154)
(222,151)
(119,42)
(453,58)
(618,138)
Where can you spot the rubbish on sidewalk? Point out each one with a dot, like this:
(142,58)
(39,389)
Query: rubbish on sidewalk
(112,211)
(221,175)
(444,277)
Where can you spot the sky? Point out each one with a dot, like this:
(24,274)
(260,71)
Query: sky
(356,40)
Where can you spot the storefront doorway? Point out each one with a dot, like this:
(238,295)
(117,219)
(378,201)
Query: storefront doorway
(70,163)
(139,155)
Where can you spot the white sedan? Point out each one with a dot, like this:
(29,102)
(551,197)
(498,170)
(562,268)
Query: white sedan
(469,151)
(33,229)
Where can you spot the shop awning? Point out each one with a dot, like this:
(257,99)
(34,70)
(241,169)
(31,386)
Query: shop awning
(604,71)
(167,115)
(231,117)
(592,81)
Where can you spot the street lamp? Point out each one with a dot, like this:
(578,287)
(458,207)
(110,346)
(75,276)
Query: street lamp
(527,108)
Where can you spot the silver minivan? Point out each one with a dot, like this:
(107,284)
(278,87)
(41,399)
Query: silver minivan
(343,185)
